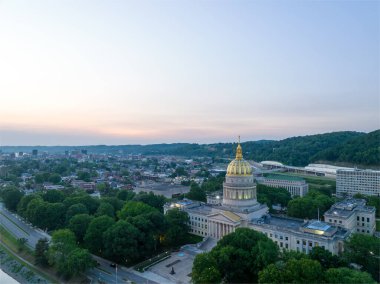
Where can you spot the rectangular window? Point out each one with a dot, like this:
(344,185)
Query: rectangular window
(357,218)
(368,220)
(362,219)
(286,238)
(298,242)
(304,242)
(281,244)
(286,246)
(271,235)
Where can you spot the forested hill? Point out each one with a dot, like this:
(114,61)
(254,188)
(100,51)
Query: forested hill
(349,147)
(363,150)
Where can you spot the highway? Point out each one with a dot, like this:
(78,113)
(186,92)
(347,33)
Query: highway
(103,273)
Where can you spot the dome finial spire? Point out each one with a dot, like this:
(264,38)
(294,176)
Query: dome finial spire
(239,151)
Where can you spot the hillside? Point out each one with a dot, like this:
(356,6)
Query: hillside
(364,150)
(345,146)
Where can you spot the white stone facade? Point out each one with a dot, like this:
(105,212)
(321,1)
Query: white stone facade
(353,215)
(351,182)
(296,187)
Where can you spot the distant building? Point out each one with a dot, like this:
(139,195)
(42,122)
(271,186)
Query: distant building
(353,215)
(35,152)
(351,182)
(84,185)
(295,185)
(53,187)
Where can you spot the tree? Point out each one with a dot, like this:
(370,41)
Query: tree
(238,257)
(105,209)
(76,209)
(91,203)
(196,193)
(11,196)
(177,223)
(325,258)
(85,176)
(151,199)
(62,243)
(302,270)
(79,260)
(54,178)
(364,250)
(307,206)
(53,196)
(105,189)
(346,275)
(125,195)
(94,235)
(116,203)
(23,204)
(120,242)
(134,208)
(66,256)
(40,253)
(78,224)
(205,269)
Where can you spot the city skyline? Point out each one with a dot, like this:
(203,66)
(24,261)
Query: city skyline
(144,72)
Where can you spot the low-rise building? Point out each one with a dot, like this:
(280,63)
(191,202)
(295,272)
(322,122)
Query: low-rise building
(300,235)
(295,185)
(353,215)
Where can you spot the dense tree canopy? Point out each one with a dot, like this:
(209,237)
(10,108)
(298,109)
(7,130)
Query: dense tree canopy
(177,224)
(308,206)
(11,196)
(196,193)
(347,276)
(134,208)
(94,235)
(66,256)
(121,242)
(238,257)
(364,250)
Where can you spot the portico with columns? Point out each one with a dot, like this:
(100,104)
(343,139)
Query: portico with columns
(222,223)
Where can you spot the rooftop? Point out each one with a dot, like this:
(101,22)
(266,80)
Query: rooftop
(284,177)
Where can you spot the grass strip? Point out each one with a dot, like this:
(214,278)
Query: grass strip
(14,223)
(9,244)
(31,268)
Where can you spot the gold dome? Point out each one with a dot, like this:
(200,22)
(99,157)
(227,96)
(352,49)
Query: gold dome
(239,166)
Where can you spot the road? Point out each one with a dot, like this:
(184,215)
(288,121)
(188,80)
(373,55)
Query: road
(19,228)
(103,273)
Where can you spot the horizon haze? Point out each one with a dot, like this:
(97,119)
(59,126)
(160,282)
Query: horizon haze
(146,72)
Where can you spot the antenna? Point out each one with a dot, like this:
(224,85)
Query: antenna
(239,139)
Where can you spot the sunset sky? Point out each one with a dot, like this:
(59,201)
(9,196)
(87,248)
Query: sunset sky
(122,72)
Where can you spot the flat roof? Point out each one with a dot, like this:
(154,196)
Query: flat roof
(284,177)
(283,222)
(318,225)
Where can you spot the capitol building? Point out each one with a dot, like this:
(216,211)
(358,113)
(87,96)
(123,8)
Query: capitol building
(238,207)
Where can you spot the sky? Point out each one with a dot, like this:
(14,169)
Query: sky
(76,72)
